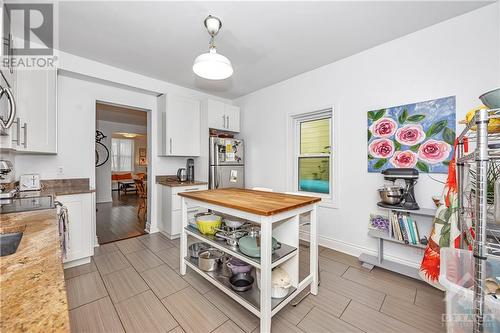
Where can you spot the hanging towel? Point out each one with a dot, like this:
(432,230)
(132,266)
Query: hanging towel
(445,230)
(64,230)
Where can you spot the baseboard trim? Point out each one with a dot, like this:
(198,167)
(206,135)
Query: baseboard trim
(77,262)
(104,200)
(354,249)
(169,236)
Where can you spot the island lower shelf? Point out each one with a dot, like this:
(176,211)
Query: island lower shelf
(281,255)
(250,299)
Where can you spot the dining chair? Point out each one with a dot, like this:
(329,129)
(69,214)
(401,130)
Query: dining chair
(142,194)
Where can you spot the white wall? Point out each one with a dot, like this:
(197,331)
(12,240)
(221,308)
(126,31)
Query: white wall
(103,173)
(458,57)
(80,83)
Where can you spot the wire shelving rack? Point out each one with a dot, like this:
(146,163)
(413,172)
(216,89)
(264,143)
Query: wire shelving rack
(475,202)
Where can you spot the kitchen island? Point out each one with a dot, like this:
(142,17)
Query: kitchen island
(277,214)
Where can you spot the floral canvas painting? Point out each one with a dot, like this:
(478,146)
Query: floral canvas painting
(419,135)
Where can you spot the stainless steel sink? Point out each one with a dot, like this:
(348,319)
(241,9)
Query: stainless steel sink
(9,243)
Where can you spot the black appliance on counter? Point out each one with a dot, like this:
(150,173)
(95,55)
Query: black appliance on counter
(190,169)
(395,197)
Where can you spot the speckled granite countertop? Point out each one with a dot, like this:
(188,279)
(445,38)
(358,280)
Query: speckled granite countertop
(55,187)
(174,182)
(33,292)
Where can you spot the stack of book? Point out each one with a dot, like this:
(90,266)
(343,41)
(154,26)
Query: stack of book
(404,228)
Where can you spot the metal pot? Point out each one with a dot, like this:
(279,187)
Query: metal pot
(391,195)
(241,281)
(195,248)
(251,246)
(238,266)
(209,259)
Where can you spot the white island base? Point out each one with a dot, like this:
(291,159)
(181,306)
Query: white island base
(278,217)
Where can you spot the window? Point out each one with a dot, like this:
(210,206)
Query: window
(122,154)
(313,141)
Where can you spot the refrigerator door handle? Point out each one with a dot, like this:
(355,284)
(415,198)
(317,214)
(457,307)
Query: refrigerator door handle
(217,179)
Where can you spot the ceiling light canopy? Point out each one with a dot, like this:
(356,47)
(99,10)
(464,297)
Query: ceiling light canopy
(127,135)
(212,65)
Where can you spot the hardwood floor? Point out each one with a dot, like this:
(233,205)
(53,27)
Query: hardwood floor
(118,220)
(119,292)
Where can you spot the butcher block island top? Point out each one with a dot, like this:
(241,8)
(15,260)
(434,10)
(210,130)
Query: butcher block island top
(252,201)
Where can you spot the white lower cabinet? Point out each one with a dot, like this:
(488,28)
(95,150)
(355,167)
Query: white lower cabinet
(170,203)
(80,225)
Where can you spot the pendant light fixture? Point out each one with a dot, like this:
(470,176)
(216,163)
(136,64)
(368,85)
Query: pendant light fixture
(212,65)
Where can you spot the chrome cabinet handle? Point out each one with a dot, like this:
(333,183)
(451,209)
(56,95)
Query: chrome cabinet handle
(224,121)
(25,127)
(170,145)
(18,133)
(227,121)
(192,189)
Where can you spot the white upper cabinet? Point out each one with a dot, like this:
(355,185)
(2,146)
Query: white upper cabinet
(36,99)
(232,117)
(221,116)
(180,125)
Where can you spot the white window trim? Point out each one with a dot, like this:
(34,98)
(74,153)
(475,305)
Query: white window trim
(330,200)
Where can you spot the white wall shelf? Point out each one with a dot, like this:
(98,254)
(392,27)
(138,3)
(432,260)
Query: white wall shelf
(384,236)
(422,211)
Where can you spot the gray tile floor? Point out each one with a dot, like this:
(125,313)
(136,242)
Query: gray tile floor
(134,286)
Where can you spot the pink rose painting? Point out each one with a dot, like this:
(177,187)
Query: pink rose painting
(384,128)
(381,148)
(404,159)
(410,135)
(433,151)
(419,135)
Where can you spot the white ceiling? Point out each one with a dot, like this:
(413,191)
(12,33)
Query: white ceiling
(267,42)
(120,114)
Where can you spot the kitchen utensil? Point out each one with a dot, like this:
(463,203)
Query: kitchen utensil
(208,223)
(253,231)
(280,283)
(241,282)
(182,174)
(250,246)
(234,222)
(238,266)
(209,259)
(195,248)
(391,195)
(491,98)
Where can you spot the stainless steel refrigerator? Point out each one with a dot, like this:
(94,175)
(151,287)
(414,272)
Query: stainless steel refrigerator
(226,163)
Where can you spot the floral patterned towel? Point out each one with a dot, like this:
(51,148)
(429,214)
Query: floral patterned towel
(445,231)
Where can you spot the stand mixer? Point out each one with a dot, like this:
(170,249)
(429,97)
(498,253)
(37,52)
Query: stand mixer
(5,169)
(397,197)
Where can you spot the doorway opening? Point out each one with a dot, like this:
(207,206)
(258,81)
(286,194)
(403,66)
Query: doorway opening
(121,166)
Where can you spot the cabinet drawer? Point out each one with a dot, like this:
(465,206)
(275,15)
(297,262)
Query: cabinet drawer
(176,199)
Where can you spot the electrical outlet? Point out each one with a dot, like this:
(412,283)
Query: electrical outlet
(60,170)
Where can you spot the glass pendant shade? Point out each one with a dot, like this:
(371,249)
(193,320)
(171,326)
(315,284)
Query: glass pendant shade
(212,66)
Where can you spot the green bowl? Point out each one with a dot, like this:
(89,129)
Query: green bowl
(491,99)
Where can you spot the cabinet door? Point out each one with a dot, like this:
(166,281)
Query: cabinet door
(36,105)
(181,127)
(216,115)
(79,225)
(232,117)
